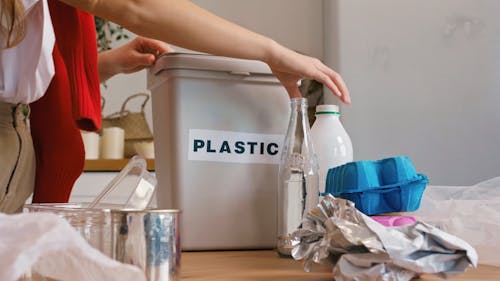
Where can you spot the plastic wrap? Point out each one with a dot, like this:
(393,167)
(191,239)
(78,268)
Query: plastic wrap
(470,212)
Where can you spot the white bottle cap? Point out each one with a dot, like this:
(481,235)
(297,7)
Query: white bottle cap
(327,109)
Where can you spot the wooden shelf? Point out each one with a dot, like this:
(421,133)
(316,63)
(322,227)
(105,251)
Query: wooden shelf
(112,165)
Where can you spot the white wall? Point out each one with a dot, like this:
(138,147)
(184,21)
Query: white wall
(425,81)
(297,24)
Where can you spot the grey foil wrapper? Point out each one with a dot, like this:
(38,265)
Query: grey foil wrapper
(360,249)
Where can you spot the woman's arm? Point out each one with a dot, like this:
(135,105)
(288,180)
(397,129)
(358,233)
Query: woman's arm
(182,23)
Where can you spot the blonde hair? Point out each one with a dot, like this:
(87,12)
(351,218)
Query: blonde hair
(13,26)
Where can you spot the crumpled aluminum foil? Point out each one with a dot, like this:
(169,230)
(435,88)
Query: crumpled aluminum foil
(360,249)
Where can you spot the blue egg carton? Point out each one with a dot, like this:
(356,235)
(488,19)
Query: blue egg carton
(377,187)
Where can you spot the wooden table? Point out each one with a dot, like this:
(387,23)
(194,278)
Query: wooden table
(266,265)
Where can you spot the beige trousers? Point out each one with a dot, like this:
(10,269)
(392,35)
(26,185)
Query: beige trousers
(17,158)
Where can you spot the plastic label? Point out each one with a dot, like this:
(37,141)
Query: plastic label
(234,147)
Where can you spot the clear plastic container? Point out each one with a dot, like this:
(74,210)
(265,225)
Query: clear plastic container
(93,220)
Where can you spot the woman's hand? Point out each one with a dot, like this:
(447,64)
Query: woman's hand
(131,57)
(290,67)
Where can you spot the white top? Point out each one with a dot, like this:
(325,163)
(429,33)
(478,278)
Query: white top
(27,69)
(327,108)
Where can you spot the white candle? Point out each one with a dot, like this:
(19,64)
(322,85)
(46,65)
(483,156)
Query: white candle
(112,143)
(91,144)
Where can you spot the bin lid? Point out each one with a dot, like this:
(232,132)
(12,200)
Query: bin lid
(171,61)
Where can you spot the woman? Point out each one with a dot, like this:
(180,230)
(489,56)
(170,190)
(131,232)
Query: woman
(71,95)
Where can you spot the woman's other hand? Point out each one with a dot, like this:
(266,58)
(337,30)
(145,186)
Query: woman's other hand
(131,57)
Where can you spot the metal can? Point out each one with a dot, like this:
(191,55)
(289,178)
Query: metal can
(149,239)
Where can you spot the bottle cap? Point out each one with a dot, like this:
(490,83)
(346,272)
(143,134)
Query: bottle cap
(327,109)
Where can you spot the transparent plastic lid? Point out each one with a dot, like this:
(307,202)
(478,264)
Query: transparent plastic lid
(133,188)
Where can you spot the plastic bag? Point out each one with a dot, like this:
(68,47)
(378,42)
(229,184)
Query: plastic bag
(44,246)
(469,212)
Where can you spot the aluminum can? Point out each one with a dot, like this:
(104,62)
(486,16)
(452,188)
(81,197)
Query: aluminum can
(148,239)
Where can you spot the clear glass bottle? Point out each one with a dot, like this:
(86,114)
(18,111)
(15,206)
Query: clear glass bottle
(298,176)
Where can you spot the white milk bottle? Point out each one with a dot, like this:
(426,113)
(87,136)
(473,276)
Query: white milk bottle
(330,140)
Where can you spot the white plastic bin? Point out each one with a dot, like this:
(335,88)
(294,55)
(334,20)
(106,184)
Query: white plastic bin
(219,125)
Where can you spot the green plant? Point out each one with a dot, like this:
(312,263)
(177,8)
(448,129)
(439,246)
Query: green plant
(107,32)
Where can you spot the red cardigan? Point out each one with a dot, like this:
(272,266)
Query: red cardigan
(72,102)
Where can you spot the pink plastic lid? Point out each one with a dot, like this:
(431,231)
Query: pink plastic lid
(394,220)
